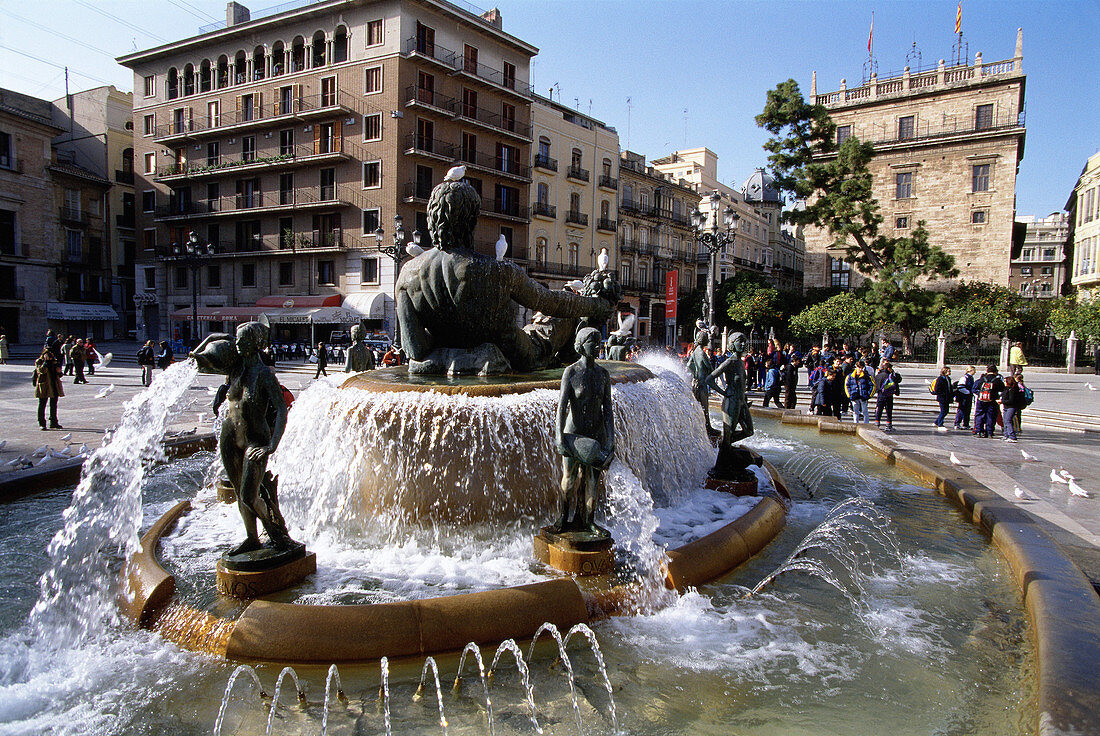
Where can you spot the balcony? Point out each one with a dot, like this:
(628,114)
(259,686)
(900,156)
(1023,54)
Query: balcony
(557,269)
(450,153)
(259,203)
(606,224)
(124,177)
(542,209)
(415,191)
(125,220)
(576,218)
(508,210)
(494,121)
(545,162)
(430,147)
(576,172)
(636,207)
(432,52)
(426,98)
(298,155)
(73,216)
(608,182)
(275,113)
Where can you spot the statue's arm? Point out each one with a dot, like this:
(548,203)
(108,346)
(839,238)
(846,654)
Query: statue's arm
(608,416)
(275,395)
(538,298)
(563,409)
(212,337)
(712,379)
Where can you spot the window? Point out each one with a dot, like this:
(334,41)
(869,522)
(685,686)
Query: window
(247,108)
(172,84)
(1025,270)
(7,232)
(469,103)
(286,100)
(1048,254)
(340,45)
(843,133)
(150,86)
(904,189)
(372,80)
(902,223)
(469,59)
(980,178)
(509,75)
(371,220)
(978,217)
(149,239)
(150,163)
(248,148)
(1046,271)
(839,273)
(983,117)
(286,273)
(248,274)
(149,125)
(213,153)
(150,278)
(574,255)
(469,147)
(286,188)
(213,235)
(328,184)
(181,277)
(214,276)
(319,48)
(213,195)
(326,273)
(425,134)
(507,158)
(574,202)
(374,32)
(205,77)
(286,142)
(369,273)
(423,183)
(906,127)
(425,39)
(149,200)
(372,174)
(213,118)
(328,91)
(425,88)
(508,116)
(543,193)
(372,127)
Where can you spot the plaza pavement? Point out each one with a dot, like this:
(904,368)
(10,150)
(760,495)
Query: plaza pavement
(1073,521)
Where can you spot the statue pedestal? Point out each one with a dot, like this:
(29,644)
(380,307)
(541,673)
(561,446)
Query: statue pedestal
(226,492)
(253,574)
(736,487)
(576,553)
(730,473)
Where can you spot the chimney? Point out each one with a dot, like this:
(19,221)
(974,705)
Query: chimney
(492,17)
(235,14)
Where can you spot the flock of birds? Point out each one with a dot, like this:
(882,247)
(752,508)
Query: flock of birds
(45,453)
(1057,477)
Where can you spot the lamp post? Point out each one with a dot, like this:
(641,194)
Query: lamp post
(193,254)
(396,252)
(708,234)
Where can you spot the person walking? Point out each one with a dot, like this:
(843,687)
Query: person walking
(888,350)
(1028,398)
(987,391)
(790,383)
(859,388)
(818,400)
(1016,359)
(964,399)
(772,386)
(47,387)
(78,355)
(166,356)
(91,357)
(322,361)
(887,386)
(146,359)
(834,391)
(3,348)
(943,392)
(1012,399)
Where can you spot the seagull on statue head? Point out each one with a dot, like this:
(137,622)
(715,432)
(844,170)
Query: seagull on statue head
(455,174)
(502,246)
(603,260)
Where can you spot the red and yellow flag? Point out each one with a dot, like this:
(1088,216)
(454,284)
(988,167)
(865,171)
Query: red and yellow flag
(959,19)
(871,35)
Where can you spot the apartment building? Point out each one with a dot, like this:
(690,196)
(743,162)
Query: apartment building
(657,262)
(575,181)
(1083,234)
(948,143)
(1039,267)
(289,141)
(97,135)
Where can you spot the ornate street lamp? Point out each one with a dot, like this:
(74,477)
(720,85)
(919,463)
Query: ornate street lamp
(397,252)
(707,234)
(193,254)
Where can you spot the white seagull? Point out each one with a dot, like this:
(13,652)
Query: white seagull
(66,437)
(1055,478)
(502,247)
(41,451)
(43,461)
(63,455)
(17,462)
(574,285)
(1090,387)
(458,173)
(955,460)
(106,360)
(603,260)
(1065,474)
(83,448)
(1019,492)
(105,392)
(1077,490)
(1028,457)
(414,250)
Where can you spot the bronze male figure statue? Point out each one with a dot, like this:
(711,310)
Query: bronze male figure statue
(360,357)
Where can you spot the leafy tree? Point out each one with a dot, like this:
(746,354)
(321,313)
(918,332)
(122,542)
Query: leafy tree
(842,315)
(1068,314)
(835,185)
(749,301)
(974,310)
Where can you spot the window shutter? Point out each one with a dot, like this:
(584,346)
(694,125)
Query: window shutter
(316,139)
(337,136)
(297,102)
(259,104)
(239,103)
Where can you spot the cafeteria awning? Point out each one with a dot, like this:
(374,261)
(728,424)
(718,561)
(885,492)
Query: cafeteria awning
(218,314)
(83,312)
(313,315)
(371,304)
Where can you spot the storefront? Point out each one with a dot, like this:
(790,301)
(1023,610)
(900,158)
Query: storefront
(299,319)
(82,320)
(376,309)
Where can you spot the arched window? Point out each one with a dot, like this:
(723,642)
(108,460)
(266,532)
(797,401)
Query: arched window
(173,83)
(574,255)
(607,167)
(128,160)
(205,77)
(540,250)
(543,196)
(259,63)
(318,58)
(223,71)
(297,54)
(278,59)
(575,159)
(574,202)
(340,45)
(605,210)
(628,194)
(544,148)
(240,68)
(189,80)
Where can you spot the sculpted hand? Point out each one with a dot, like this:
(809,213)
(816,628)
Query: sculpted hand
(256,453)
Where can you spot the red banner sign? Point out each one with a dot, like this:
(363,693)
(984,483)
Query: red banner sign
(672,284)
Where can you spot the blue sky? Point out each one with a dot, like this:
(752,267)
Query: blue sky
(715,59)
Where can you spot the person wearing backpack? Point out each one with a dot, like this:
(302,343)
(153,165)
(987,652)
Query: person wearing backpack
(772,385)
(887,386)
(859,387)
(944,392)
(1012,399)
(146,359)
(1028,400)
(987,390)
(964,398)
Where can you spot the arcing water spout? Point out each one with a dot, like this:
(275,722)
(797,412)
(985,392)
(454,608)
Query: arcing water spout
(275,696)
(509,645)
(242,669)
(333,674)
(590,635)
(473,648)
(430,662)
(564,656)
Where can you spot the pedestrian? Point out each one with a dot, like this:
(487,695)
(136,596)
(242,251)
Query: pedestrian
(859,387)
(166,356)
(1016,359)
(847,367)
(78,355)
(834,391)
(47,387)
(790,383)
(964,399)
(1012,399)
(146,360)
(818,402)
(772,386)
(322,360)
(66,364)
(1028,398)
(3,348)
(888,351)
(887,386)
(53,344)
(942,390)
(987,392)
(91,356)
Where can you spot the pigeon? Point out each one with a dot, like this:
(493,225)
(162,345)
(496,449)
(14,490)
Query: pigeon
(65,438)
(17,462)
(414,250)
(105,392)
(1090,387)
(41,451)
(603,259)
(106,360)
(502,247)
(3,443)
(1019,492)
(1028,457)
(574,285)
(65,454)
(1055,478)
(955,460)
(1065,474)
(625,325)
(202,418)
(458,173)
(1077,490)
(43,461)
